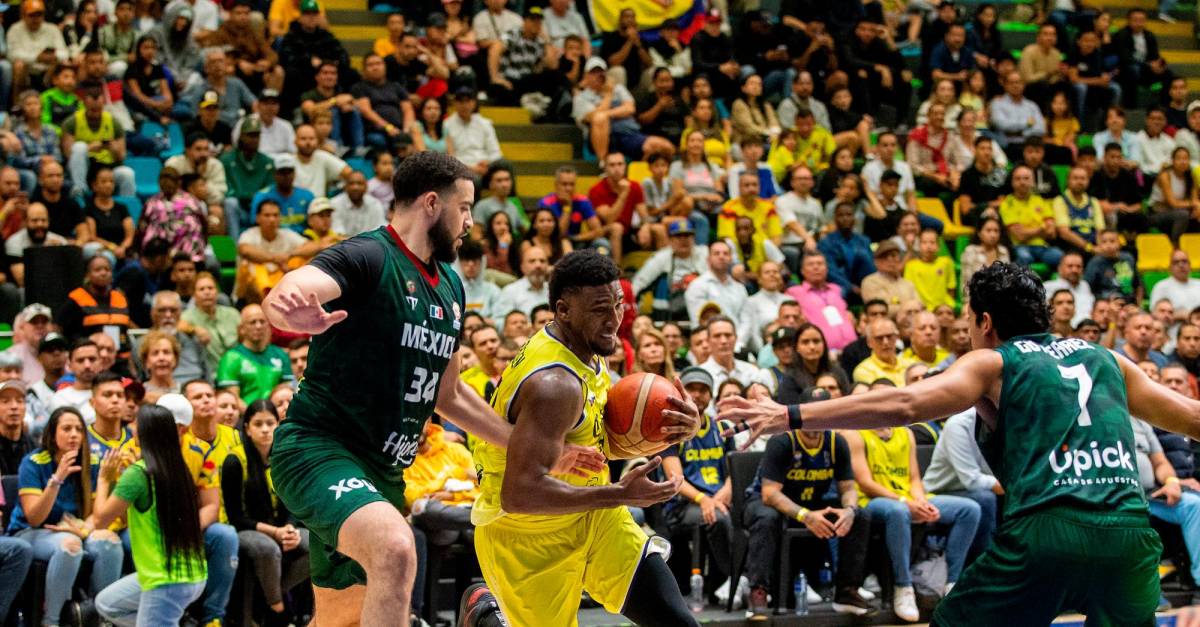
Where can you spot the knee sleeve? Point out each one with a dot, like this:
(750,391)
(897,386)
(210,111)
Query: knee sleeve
(654,599)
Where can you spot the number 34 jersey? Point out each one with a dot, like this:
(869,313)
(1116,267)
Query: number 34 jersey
(372,379)
(1063,434)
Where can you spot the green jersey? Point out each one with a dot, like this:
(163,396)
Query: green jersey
(255,374)
(372,380)
(145,535)
(1063,435)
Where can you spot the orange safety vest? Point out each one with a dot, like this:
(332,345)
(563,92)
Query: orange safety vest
(115,311)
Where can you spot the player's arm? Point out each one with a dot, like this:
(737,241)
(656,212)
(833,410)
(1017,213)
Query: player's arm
(295,303)
(549,405)
(1158,404)
(969,379)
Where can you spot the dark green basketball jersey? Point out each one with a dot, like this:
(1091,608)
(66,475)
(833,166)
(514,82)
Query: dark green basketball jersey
(1063,435)
(372,379)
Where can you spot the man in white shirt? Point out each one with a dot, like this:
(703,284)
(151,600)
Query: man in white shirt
(33,45)
(680,262)
(530,290)
(472,135)
(197,159)
(1155,146)
(1180,288)
(722,337)
(802,91)
(316,169)
(716,287)
(36,233)
(84,361)
(1189,136)
(1070,278)
(493,21)
(355,211)
(276,136)
(561,20)
(762,308)
(885,153)
(29,329)
(482,295)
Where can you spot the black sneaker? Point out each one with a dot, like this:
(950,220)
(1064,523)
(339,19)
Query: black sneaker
(849,601)
(477,604)
(759,604)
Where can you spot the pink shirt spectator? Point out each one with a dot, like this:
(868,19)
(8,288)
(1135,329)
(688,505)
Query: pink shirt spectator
(825,308)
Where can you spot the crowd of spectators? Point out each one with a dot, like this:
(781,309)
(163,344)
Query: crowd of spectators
(799,201)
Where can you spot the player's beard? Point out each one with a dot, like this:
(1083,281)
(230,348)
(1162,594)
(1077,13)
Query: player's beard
(445,242)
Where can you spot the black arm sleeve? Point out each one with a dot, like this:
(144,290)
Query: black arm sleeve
(842,470)
(355,265)
(231,495)
(777,458)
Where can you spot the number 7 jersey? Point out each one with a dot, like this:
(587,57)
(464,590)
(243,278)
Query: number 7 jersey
(372,379)
(1063,434)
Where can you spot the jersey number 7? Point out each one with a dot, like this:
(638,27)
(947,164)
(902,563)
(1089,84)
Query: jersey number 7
(1079,373)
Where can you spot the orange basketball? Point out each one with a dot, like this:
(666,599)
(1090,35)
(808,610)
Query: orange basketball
(633,415)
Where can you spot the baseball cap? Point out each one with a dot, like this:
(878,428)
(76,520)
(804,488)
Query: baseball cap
(696,374)
(886,247)
(186,13)
(814,393)
(534,12)
(680,227)
(464,93)
(52,341)
(713,15)
(319,205)
(436,20)
(179,407)
(783,336)
(1192,106)
(34,310)
(309,6)
(210,99)
(134,387)
(595,63)
(285,161)
(251,125)
(269,94)
(13,384)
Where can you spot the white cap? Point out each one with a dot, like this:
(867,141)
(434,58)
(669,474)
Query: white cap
(179,407)
(594,63)
(285,160)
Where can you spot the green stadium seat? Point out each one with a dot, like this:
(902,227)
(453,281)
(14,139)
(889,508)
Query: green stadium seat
(1150,279)
(1060,173)
(225,250)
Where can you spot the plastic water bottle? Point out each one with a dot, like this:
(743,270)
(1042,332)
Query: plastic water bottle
(826,576)
(696,598)
(800,588)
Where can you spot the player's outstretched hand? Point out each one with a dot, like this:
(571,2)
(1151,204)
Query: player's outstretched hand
(682,423)
(304,314)
(639,490)
(583,461)
(759,415)
(1188,617)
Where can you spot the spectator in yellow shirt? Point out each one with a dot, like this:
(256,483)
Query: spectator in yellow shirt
(1077,213)
(883,362)
(814,143)
(748,204)
(923,337)
(1030,221)
(441,486)
(933,276)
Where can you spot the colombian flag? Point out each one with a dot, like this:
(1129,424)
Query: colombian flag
(650,15)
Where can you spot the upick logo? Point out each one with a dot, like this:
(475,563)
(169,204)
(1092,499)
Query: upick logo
(1094,457)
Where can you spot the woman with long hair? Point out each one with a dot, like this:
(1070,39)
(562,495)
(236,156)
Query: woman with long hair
(943,93)
(987,247)
(702,180)
(109,223)
(1175,197)
(84,31)
(812,360)
(158,354)
(278,550)
(545,234)
(57,486)
(752,115)
(500,194)
(498,243)
(840,165)
(983,36)
(158,495)
(707,122)
(651,354)
(427,134)
(147,90)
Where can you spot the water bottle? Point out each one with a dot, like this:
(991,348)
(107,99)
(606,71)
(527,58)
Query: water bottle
(800,588)
(696,598)
(826,576)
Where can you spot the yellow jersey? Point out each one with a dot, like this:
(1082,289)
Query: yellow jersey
(542,352)
(889,462)
(205,459)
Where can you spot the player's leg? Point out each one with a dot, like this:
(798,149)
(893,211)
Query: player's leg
(337,608)
(378,538)
(1124,551)
(654,599)
(536,574)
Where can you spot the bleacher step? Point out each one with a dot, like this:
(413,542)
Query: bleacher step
(568,133)
(537,185)
(507,115)
(536,151)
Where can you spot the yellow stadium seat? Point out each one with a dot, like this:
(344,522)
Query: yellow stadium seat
(1154,252)
(1190,243)
(638,171)
(934,208)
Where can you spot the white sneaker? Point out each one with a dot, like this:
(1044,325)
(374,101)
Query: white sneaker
(949,587)
(871,584)
(904,604)
(866,594)
(741,597)
(722,593)
(814,596)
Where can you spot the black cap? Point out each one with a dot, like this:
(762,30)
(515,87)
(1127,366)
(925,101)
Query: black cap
(464,93)
(784,336)
(52,341)
(436,20)
(534,12)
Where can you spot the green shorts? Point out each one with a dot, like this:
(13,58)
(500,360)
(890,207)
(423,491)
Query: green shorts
(322,484)
(1103,565)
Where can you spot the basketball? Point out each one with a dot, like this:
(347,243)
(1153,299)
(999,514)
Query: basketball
(633,415)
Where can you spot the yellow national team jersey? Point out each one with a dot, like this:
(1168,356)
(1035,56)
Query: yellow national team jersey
(542,352)
(889,461)
(204,460)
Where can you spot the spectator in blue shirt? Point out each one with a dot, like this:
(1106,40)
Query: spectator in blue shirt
(849,253)
(952,59)
(293,201)
(577,218)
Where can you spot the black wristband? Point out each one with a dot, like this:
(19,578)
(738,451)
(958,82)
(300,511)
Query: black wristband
(795,421)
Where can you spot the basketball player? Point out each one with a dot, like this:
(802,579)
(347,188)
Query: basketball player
(1053,422)
(385,309)
(542,538)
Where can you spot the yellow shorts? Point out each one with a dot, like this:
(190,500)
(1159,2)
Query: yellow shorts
(537,574)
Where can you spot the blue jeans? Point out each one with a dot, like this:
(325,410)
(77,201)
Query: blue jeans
(1186,514)
(700,225)
(221,551)
(15,557)
(986,499)
(960,514)
(1048,255)
(63,565)
(347,128)
(125,604)
(1081,96)
(237,219)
